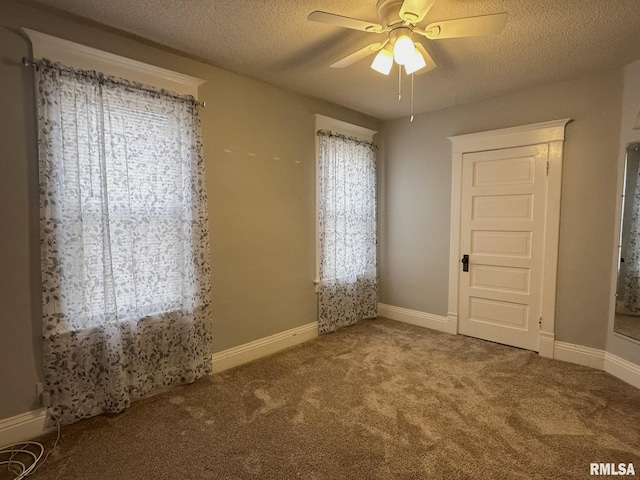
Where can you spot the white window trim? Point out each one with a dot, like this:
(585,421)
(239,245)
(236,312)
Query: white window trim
(343,128)
(337,126)
(87,58)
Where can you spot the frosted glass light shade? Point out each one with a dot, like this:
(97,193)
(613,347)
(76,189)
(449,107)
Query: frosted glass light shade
(403,49)
(415,63)
(383,62)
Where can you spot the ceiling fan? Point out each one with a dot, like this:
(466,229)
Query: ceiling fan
(400,20)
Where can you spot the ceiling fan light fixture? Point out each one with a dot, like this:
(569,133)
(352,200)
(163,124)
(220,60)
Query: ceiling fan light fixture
(416,62)
(383,62)
(403,49)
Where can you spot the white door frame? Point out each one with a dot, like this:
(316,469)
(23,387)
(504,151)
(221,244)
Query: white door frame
(551,133)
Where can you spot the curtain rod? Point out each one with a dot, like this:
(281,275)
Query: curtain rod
(329,133)
(26,62)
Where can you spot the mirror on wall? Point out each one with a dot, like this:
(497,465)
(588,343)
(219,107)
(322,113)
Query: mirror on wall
(627,315)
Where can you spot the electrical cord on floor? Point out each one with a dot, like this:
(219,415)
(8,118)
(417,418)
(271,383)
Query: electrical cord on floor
(23,459)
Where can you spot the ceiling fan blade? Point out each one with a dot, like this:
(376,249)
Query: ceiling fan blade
(357,56)
(465,27)
(427,58)
(346,22)
(413,11)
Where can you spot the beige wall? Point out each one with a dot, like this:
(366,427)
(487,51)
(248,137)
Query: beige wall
(416,188)
(261,210)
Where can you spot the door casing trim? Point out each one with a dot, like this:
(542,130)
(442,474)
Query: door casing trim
(553,134)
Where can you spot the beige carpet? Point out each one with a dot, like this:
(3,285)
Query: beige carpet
(381,400)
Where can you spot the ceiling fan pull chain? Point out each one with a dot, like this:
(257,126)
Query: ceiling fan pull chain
(411,120)
(399,83)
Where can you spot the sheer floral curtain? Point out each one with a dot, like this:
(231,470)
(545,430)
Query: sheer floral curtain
(348,289)
(632,257)
(124,241)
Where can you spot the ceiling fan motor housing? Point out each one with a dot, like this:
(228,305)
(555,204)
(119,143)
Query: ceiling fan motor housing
(389,12)
(399,31)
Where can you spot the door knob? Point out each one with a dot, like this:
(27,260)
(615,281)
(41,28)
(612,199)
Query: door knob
(465,263)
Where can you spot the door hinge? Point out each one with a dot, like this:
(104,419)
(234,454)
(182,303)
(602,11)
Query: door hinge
(547,168)
(540,322)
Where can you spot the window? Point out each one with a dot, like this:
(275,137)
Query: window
(124,240)
(342,128)
(346,196)
(124,178)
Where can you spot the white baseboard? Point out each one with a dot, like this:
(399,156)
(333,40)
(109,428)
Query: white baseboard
(546,341)
(623,369)
(414,317)
(23,427)
(588,357)
(262,347)
(452,322)
(548,347)
(600,359)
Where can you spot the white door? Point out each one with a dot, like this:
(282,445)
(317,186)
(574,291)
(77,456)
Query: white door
(502,230)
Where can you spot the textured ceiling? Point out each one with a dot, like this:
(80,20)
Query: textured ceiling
(545,41)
